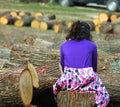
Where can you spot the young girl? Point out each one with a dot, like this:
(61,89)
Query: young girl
(78,58)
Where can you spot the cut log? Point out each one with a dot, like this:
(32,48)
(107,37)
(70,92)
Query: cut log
(47,25)
(106,27)
(42,18)
(15,87)
(22,13)
(97,29)
(75,99)
(9,92)
(112,83)
(91,24)
(116,21)
(60,27)
(96,21)
(8,19)
(116,29)
(14,13)
(34,75)
(35,24)
(24,21)
(113,17)
(38,14)
(69,24)
(4,13)
(26,87)
(52,17)
(103,17)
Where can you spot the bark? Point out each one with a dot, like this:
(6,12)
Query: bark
(60,26)
(5,53)
(4,13)
(14,13)
(91,24)
(8,19)
(112,83)
(10,92)
(45,25)
(116,29)
(52,17)
(22,13)
(106,27)
(24,21)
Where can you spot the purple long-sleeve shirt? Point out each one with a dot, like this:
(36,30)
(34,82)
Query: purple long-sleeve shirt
(79,54)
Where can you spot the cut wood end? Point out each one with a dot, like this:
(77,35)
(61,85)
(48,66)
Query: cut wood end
(96,21)
(57,28)
(19,22)
(14,14)
(33,72)
(103,17)
(70,24)
(4,20)
(43,26)
(26,87)
(35,24)
(38,14)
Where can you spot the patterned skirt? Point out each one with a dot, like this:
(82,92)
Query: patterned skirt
(83,80)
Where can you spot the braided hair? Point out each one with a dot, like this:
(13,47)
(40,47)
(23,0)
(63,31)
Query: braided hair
(79,30)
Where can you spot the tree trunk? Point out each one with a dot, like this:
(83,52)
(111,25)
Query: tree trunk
(10,92)
(8,19)
(51,17)
(4,13)
(60,26)
(45,25)
(91,24)
(116,29)
(9,89)
(106,27)
(24,21)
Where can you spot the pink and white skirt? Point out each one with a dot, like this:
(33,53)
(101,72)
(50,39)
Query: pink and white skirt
(83,80)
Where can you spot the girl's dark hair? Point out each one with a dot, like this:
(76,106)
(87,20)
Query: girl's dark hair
(79,30)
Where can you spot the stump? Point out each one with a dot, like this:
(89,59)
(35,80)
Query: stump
(75,99)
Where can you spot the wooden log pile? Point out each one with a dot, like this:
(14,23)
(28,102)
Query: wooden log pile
(48,61)
(37,20)
(107,23)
